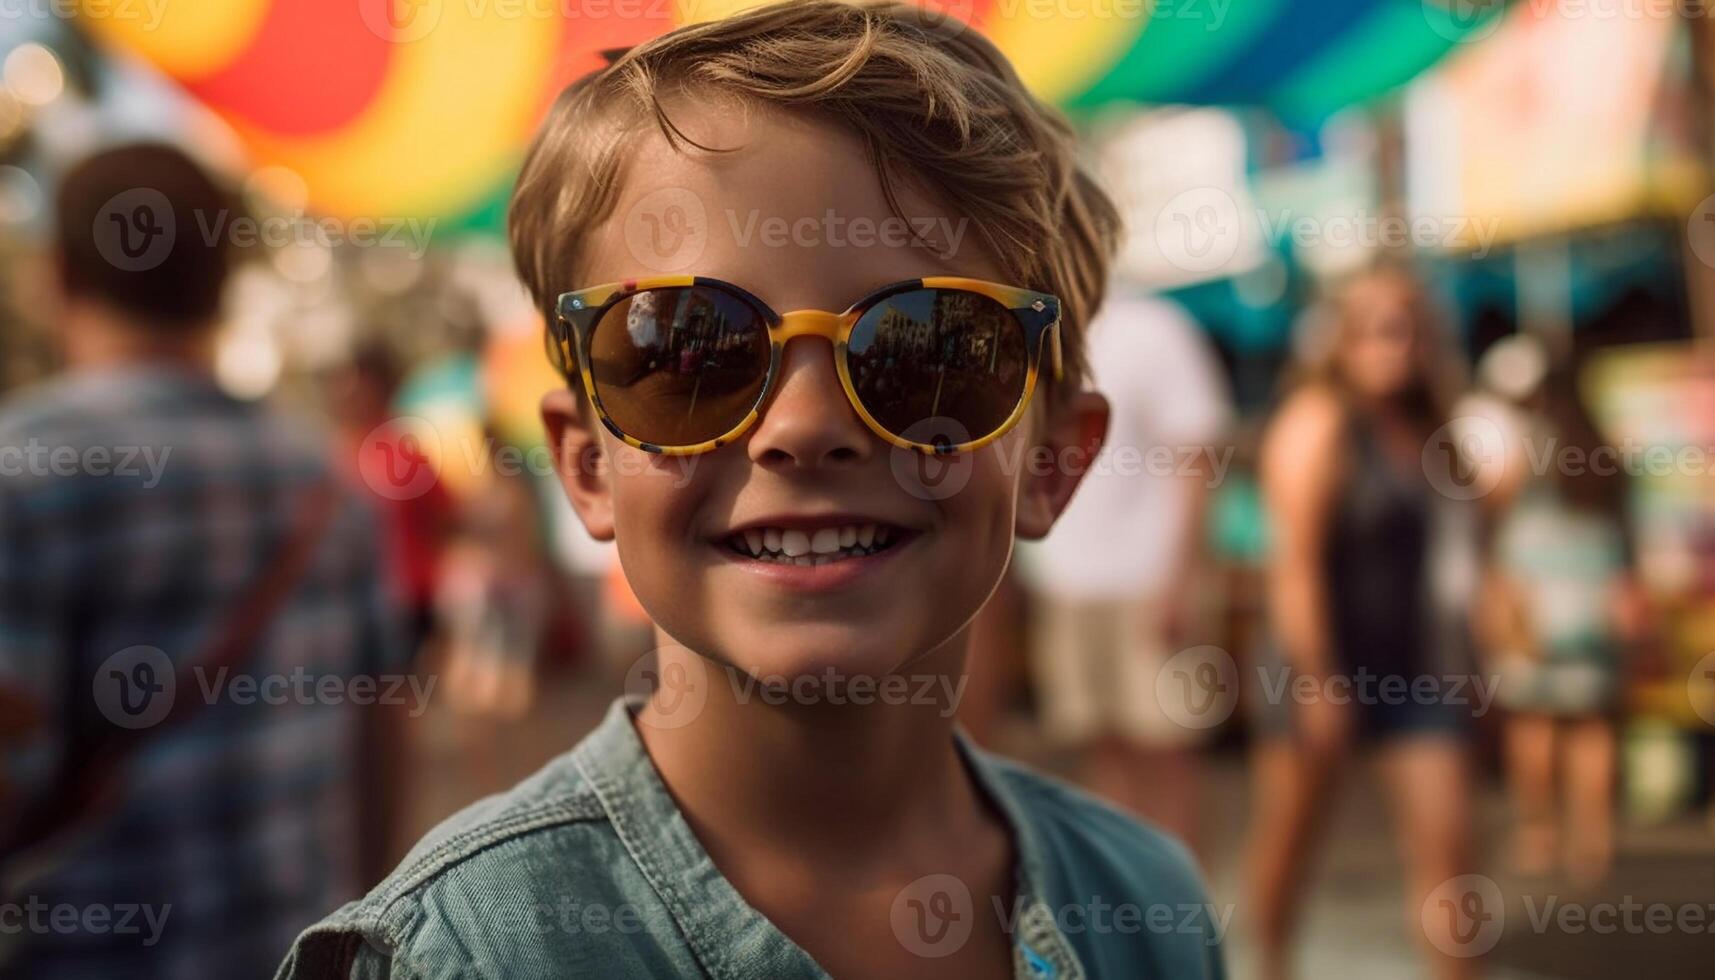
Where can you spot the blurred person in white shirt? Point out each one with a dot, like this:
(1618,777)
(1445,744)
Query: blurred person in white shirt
(1114,586)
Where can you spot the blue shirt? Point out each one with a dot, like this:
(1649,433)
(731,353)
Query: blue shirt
(137,505)
(589,869)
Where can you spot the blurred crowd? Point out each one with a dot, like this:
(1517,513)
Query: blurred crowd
(1410,556)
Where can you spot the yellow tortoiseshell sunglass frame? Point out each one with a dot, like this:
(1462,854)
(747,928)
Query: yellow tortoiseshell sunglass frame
(570,336)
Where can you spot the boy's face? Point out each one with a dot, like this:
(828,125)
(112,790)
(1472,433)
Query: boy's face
(781,216)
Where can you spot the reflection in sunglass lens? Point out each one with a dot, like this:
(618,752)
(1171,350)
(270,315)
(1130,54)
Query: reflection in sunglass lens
(938,353)
(679,366)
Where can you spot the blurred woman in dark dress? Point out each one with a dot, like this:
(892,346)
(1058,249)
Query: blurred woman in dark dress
(1370,571)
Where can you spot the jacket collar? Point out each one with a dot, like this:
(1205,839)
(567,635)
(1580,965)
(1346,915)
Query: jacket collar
(734,941)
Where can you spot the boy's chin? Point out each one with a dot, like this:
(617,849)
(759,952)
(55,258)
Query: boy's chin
(816,669)
(801,665)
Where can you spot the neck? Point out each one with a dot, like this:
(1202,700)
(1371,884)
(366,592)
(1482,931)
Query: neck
(96,337)
(838,783)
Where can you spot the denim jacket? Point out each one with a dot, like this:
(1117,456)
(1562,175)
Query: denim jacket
(588,869)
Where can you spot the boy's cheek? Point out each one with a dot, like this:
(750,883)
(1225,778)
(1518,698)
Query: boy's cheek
(988,506)
(644,473)
(654,496)
(1004,467)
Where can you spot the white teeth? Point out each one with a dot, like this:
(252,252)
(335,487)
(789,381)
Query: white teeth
(795,546)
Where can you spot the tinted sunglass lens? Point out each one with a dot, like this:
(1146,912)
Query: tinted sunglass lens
(679,366)
(938,354)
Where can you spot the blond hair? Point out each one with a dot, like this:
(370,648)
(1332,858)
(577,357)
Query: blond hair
(931,101)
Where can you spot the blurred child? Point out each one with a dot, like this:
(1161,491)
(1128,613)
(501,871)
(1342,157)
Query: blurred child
(416,511)
(1561,581)
(495,595)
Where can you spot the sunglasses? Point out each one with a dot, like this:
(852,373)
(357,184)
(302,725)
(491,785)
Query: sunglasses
(684,364)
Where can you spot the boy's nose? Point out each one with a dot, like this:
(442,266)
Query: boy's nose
(808,422)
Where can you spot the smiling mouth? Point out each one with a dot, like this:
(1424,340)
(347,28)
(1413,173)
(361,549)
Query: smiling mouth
(820,546)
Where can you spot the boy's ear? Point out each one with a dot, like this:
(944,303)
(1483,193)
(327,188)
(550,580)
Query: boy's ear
(579,459)
(1071,436)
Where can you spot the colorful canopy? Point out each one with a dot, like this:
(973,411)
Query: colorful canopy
(422,107)
(1305,59)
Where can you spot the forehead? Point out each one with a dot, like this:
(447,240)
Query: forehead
(792,211)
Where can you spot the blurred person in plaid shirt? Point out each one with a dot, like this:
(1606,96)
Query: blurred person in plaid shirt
(193,627)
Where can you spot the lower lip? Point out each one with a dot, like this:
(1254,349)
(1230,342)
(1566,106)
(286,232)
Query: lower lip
(817,578)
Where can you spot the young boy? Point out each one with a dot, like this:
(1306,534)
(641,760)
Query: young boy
(812,525)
